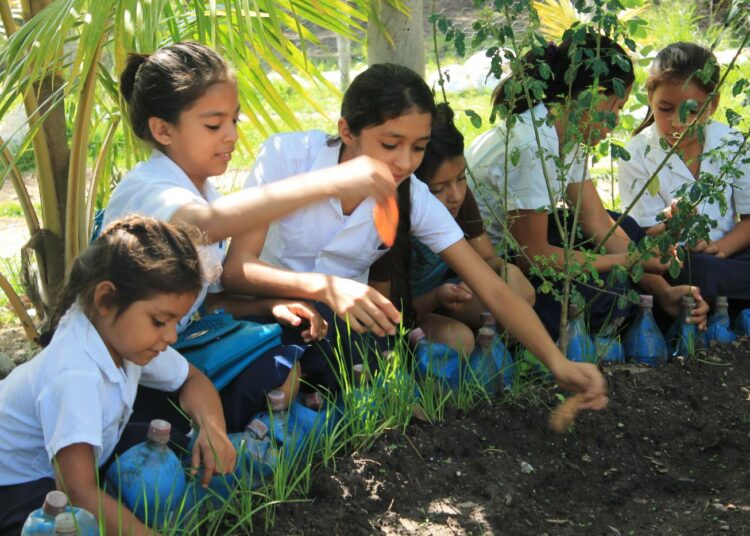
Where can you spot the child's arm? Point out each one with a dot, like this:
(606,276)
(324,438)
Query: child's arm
(736,240)
(199,399)
(242,211)
(513,313)
(509,272)
(365,307)
(75,474)
(290,312)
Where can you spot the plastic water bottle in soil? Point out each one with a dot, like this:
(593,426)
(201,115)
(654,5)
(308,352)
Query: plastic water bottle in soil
(149,477)
(42,520)
(503,358)
(580,345)
(643,342)
(436,359)
(292,425)
(682,337)
(742,323)
(719,329)
(256,459)
(608,346)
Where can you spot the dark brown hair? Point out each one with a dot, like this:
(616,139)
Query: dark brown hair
(446,143)
(167,82)
(571,59)
(682,63)
(141,256)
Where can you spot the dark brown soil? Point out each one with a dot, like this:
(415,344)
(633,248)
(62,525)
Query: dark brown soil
(671,455)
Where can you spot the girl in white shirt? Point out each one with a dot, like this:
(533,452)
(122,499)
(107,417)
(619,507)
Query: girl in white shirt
(63,413)
(327,248)
(536,184)
(183,101)
(720,265)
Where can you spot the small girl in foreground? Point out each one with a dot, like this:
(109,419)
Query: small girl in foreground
(446,309)
(65,413)
(719,266)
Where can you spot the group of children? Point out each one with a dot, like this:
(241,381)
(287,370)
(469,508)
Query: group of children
(304,251)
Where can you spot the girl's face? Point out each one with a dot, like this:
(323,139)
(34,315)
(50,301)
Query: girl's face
(596,131)
(665,101)
(399,142)
(144,329)
(203,139)
(449,184)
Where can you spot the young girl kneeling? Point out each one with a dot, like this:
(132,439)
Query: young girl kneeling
(66,412)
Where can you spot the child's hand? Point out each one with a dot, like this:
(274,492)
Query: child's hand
(363,177)
(293,313)
(709,248)
(362,306)
(454,297)
(670,300)
(586,379)
(214,449)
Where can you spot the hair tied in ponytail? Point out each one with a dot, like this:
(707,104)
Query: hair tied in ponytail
(551,54)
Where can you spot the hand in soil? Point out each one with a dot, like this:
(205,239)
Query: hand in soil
(564,414)
(586,380)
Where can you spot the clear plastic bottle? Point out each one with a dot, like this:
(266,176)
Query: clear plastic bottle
(149,477)
(580,345)
(643,342)
(436,359)
(682,337)
(719,329)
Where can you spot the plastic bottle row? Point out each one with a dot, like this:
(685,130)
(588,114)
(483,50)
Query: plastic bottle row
(644,342)
(56,516)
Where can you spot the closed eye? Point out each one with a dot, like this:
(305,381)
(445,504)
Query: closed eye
(213,127)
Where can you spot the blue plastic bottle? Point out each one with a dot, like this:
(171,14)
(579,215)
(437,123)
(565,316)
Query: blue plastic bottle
(75,521)
(503,358)
(682,337)
(42,520)
(719,330)
(742,323)
(436,359)
(149,477)
(256,459)
(580,345)
(294,426)
(644,343)
(608,346)
(482,363)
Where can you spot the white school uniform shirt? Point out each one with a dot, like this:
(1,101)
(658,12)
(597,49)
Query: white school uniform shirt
(320,237)
(158,188)
(72,392)
(526,185)
(646,155)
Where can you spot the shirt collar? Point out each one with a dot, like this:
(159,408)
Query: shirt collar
(91,343)
(159,159)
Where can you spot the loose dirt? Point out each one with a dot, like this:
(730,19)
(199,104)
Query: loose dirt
(669,456)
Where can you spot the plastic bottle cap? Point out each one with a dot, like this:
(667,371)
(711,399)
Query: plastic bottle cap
(159,431)
(487,319)
(277,399)
(55,503)
(65,523)
(573,310)
(415,336)
(485,336)
(721,301)
(258,428)
(647,300)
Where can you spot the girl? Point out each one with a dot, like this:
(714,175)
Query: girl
(63,413)
(387,114)
(443,168)
(183,101)
(719,266)
(563,125)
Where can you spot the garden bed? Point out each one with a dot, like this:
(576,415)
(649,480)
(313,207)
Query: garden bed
(669,456)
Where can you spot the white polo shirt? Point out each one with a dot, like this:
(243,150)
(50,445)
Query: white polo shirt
(526,186)
(646,155)
(158,188)
(320,237)
(72,392)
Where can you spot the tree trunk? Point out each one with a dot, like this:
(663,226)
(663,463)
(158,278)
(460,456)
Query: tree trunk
(407,33)
(344,49)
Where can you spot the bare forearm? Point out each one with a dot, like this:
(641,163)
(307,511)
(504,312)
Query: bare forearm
(602,263)
(261,279)
(425,304)
(117,518)
(736,240)
(200,400)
